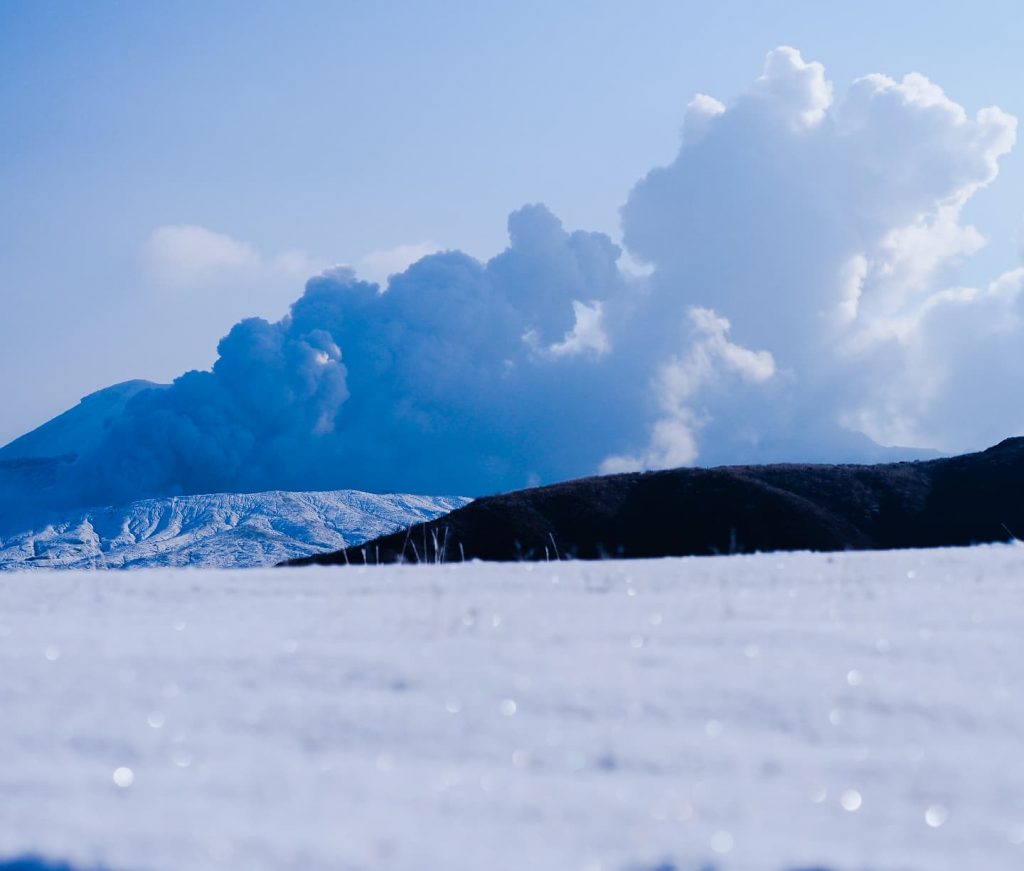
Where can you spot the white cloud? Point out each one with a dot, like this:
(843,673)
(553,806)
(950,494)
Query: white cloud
(820,226)
(798,90)
(911,150)
(797,293)
(824,228)
(961,370)
(587,336)
(851,286)
(700,112)
(912,254)
(679,383)
(379,265)
(187,256)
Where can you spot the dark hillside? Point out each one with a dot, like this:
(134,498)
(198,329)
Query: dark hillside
(732,509)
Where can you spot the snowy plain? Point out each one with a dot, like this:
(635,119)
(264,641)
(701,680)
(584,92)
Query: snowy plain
(855,712)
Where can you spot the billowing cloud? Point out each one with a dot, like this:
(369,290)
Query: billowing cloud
(679,381)
(787,291)
(959,368)
(438,381)
(820,227)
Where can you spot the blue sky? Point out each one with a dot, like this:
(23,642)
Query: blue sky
(334,130)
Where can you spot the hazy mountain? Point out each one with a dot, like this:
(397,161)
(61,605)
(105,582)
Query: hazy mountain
(80,428)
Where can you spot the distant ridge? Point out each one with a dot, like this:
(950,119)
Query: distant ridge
(80,428)
(224,530)
(960,500)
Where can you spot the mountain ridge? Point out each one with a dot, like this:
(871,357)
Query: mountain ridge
(223,530)
(81,427)
(967,499)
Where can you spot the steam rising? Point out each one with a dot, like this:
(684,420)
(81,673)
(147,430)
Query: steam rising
(797,306)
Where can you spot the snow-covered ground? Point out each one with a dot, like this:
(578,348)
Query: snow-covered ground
(856,712)
(219,530)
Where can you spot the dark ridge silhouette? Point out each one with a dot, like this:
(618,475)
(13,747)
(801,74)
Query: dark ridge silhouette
(962,500)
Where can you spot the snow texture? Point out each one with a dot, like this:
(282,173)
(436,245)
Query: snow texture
(238,530)
(856,712)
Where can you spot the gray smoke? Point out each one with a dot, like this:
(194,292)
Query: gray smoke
(796,306)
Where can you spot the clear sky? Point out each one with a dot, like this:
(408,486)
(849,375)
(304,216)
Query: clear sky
(320,133)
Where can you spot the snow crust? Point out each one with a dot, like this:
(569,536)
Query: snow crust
(223,530)
(856,712)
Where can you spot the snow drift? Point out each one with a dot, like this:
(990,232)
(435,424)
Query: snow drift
(766,713)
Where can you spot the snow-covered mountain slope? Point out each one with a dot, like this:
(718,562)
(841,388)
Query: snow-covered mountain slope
(238,530)
(851,712)
(80,428)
